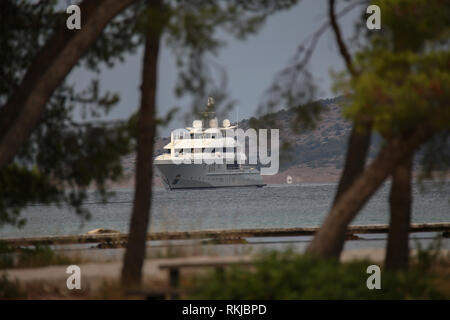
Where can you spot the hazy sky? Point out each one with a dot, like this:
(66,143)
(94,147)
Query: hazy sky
(250,65)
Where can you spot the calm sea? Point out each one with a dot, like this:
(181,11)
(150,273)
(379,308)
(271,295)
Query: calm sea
(234,208)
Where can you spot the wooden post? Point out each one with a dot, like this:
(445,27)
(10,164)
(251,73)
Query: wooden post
(220,271)
(174,282)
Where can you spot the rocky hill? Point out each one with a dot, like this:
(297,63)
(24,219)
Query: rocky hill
(313,156)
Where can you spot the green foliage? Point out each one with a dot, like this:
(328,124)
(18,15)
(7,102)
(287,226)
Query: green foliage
(40,256)
(24,28)
(31,257)
(427,257)
(411,25)
(122,36)
(404,80)
(20,186)
(6,256)
(62,158)
(10,289)
(401,90)
(285,275)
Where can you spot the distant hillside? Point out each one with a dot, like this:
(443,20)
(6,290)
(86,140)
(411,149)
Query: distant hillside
(314,156)
(321,147)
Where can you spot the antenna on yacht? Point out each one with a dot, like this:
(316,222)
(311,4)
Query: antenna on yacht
(207,114)
(210,101)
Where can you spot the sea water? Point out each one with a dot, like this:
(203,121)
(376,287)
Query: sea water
(273,206)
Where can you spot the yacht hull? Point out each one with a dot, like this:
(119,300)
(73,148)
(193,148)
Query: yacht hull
(195,176)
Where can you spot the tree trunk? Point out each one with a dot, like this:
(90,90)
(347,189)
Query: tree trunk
(22,113)
(359,140)
(329,240)
(135,251)
(397,253)
(355,160)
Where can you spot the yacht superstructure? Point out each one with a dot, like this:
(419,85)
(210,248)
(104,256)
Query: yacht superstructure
(205,157)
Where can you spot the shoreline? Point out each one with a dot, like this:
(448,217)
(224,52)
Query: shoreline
(300,175)
(220,235)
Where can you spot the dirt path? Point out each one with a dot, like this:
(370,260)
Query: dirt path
(100,279)
(94,274)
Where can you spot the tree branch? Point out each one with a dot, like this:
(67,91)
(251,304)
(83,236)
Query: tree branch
(359,140)
(23,110)
(342,48)
(329,240)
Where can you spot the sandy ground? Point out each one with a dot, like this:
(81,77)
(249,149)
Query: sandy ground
(94,275)
(100,280)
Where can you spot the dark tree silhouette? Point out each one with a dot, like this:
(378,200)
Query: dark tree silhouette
(135,251)
(24,108)
(400,202)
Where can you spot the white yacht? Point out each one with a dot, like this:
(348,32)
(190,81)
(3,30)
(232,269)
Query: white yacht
(204,157)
